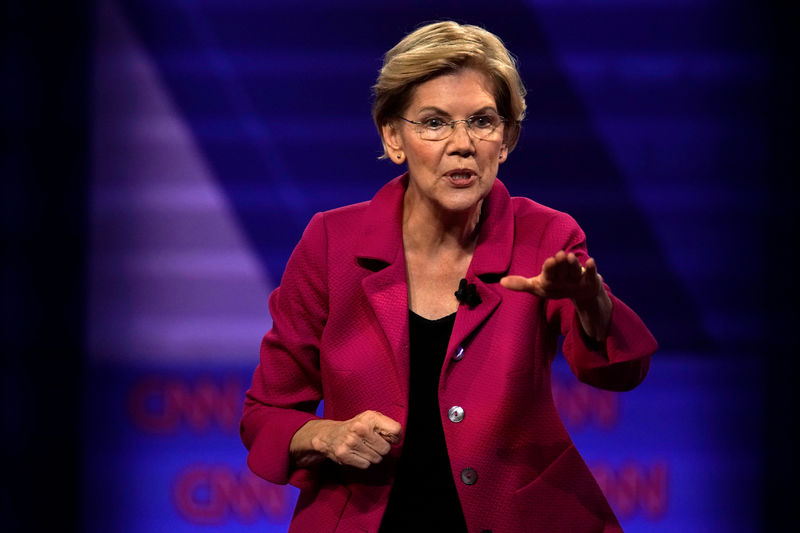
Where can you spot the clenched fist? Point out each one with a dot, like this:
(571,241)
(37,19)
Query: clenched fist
(360,442)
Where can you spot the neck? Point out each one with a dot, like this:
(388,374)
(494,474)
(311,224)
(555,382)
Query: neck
(431,230)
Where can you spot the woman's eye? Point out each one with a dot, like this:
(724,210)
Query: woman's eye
(481,121)
(433,123)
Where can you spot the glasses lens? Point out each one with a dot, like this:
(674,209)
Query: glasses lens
(435,134)
(483,126)
(434,129)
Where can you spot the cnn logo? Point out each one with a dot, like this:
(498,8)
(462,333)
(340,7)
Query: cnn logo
(216,494)
(160,404)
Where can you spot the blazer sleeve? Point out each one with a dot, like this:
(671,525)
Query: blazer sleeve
(286,387)
(622,361)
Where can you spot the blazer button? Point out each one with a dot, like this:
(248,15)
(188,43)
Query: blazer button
(456,413)
(459,354)
(469,476)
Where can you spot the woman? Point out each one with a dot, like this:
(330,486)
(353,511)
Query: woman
(418,318)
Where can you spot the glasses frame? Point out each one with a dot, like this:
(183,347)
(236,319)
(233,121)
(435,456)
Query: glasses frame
(452,123)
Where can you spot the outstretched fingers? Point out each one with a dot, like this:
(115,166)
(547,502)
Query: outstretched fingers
(590,268)
(562,276)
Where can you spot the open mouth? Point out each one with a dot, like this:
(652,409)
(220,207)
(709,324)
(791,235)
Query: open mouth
(461,177)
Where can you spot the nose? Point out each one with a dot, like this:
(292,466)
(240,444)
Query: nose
(460,140)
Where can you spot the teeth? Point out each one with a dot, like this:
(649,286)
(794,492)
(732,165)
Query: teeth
(460,176)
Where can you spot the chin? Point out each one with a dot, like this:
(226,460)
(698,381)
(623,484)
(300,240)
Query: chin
(461,201)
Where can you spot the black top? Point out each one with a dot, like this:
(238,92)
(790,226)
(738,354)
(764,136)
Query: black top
(424,496)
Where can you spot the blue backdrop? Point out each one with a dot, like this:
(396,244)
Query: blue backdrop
(215,129)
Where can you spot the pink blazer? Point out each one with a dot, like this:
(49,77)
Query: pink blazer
(340,332)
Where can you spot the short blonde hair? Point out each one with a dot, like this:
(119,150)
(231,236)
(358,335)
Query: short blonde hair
(439,48)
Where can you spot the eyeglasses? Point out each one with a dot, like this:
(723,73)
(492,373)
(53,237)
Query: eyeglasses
(482,126)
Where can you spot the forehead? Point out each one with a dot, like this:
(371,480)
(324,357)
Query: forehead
(463,91)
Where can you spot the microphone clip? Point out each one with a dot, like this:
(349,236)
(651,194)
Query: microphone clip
(467,293)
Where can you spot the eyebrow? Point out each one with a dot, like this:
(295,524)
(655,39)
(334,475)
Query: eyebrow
(442,112)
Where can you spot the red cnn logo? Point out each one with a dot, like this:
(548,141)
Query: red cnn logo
(213,495)
(160,404)
(580,404)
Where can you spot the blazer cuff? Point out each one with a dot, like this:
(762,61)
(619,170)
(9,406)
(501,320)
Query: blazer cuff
(619,363)
(269,452)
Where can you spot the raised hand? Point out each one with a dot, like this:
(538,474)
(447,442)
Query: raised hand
(562,276)
(360,442)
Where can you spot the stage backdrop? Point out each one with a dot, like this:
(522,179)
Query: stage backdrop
(221,126)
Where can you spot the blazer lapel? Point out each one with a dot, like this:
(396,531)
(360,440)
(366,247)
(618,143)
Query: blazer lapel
(380,250)
(490,262)
(387,293)
(468,319)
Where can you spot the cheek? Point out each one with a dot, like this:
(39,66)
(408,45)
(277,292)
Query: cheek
(427,155)
(494,157)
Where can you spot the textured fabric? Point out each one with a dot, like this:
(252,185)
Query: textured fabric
(340,331)
(433,501)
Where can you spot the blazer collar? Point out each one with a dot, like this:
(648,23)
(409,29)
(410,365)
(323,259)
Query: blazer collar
(496,235)
(382,237)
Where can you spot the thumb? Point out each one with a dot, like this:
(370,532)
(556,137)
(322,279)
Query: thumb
(390,430)
(519,283)
(516,283)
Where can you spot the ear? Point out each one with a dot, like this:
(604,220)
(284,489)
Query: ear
(393,143)
(503,153)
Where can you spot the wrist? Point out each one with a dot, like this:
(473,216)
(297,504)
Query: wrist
(307,446)
(594,315)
